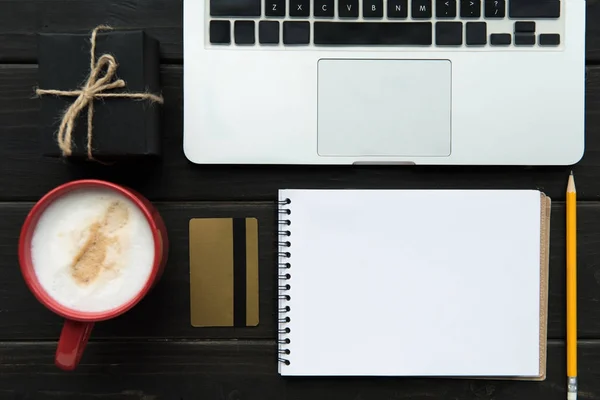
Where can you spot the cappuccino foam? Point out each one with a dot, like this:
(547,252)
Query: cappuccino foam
(92,250)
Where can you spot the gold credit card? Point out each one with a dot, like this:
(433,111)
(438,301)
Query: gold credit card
(224,272)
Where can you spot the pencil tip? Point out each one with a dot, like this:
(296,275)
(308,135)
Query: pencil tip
(571,183)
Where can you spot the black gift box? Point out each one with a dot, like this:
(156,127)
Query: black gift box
(122,127)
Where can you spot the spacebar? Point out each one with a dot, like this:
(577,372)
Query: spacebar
(373,33)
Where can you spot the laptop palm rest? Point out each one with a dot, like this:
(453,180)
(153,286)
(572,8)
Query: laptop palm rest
(394,108)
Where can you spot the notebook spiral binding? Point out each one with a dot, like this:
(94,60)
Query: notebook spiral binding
(284,266)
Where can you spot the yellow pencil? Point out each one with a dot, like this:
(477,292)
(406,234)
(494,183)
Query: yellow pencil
(571,289)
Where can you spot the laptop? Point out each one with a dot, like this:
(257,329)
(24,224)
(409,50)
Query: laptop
(343,82)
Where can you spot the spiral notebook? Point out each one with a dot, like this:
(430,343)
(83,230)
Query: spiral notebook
(413,283)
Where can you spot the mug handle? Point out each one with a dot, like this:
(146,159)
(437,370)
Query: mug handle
(72,342)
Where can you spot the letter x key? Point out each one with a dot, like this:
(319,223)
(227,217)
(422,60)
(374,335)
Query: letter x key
(299,8)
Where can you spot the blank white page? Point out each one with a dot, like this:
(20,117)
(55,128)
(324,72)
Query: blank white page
(413,283)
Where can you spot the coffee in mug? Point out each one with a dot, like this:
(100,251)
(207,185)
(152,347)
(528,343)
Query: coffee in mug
(90,250)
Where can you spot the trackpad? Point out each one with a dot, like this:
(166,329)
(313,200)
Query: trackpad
(384,108)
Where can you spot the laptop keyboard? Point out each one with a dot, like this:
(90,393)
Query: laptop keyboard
(395,23)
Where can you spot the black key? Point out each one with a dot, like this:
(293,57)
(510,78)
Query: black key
(549,39)
(500,39)
(524,27)
(445,8)
(495,8)
(299,8)
(448,33)
(296,32)
(220,32)
(235,8)
(524,39)
(470,8)
(397,9)
(268,32)
(373,33)
(476,33)
(534,9)
(244,32)
(348,8)
(421,8)
(324,8)
(372,8)
(275,8)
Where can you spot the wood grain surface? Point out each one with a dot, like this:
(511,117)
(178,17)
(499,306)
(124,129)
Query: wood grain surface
(152,352)
(227,370)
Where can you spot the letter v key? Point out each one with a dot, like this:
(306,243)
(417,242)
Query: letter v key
(348,8)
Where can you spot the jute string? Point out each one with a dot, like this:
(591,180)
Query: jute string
(94,88)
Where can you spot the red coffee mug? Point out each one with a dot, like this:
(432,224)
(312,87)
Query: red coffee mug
(78,325)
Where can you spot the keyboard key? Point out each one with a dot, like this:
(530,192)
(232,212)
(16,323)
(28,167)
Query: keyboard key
(373,33)
(476,33)
(524,39)
(275,8)
(470,8)
(421,8)
(448,33)
(495,8)
(445,8)
(372,8)
(296,32)
(235,8)
(397,9)
(299,8)
(524,27)
(500,39)
(324,8)
(549,39)
(268,32)
(348,8)
(220,32)
(534,9)
(244,32)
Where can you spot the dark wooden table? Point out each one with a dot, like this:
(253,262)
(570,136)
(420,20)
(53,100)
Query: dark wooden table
(153,352)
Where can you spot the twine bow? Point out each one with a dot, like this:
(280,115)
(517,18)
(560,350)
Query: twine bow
(94,88)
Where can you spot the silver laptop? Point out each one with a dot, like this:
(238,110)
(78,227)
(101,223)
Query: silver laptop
(450,82)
